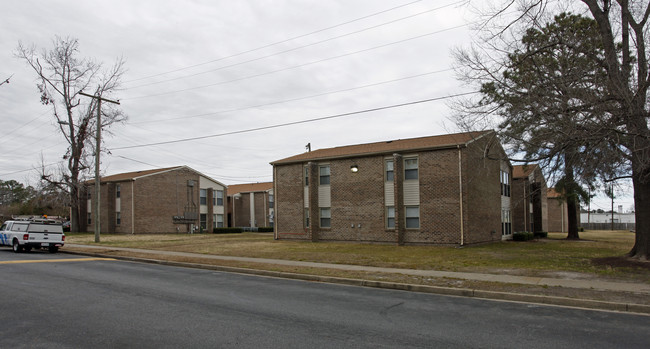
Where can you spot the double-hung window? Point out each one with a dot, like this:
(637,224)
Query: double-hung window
(411,168)
(203,196)
(324,175)
(217,221)
(218,198)
(412,217)
(505,183)
(390,217)
(325,217)
(390,173)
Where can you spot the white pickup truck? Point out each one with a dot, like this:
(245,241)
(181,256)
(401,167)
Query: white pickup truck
(25,235)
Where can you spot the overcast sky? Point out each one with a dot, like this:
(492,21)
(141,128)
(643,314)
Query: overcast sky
(211,69)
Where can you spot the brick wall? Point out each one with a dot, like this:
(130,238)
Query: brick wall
(358,211)
(439,199)
(482,190)
(289,205)
(520,204)
(557,215)
(261,208)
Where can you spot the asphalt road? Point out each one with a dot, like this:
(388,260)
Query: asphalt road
(64,301)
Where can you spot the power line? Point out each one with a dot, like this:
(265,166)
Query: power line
(298,122)
(276,43)
(291,99)
(301,65)
(295,48)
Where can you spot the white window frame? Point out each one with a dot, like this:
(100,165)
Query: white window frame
(325,214)
(409,169)
(410,218)
(390,217)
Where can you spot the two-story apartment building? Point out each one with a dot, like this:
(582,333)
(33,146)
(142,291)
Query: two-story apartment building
(250,205)
(448,189)
(167,200)
(529,201)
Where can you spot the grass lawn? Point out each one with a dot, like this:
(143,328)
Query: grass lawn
(539,257)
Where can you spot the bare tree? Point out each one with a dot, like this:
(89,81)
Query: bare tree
(61,76)
(622,125)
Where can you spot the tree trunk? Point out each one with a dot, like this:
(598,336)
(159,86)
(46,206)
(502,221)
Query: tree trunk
(641,247)
(75,225)
(571,194)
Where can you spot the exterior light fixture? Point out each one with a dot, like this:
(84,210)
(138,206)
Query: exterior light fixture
(354,168)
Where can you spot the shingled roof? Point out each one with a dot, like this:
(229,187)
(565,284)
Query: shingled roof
(127,176)
(387,147)
(248,188)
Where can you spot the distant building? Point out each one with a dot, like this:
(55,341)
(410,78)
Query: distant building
(166,200)
(529,201)
(558,212)
(448,189)
(250,205)
(617,217)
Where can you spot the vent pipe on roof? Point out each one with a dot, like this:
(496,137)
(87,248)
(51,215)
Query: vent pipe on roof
(308,147)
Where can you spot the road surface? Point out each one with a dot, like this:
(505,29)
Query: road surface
(65,301)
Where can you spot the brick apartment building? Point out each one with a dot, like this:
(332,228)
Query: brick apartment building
(250,205)
(529,202)
(448,189)
(166,200)
(558,212)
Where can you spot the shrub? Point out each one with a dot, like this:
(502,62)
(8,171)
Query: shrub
(541,234)
(522,236)
(265,229)
(227,230)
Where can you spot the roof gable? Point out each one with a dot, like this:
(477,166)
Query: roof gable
(129,176)
(387,147)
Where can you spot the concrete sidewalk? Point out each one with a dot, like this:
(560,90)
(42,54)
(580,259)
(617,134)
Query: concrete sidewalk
(511,279)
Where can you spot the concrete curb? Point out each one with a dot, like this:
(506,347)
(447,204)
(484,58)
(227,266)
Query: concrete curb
(448,291)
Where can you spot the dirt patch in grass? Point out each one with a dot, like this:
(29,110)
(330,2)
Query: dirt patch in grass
(621,262)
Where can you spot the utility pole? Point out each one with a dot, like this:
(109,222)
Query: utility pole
(98,139)
(612,206)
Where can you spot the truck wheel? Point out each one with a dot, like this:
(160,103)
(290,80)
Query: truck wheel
(16,246)
(53,249)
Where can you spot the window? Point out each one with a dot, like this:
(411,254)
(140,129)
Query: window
(306,176)
(203,196)
(118,218)
(390,174)
(390,217)
(203,220)
(506,225)
(325,217)
(217,221)
(505,183)
(218,198)
(90,218)
(411,168)
(412,217)
(118,189)
(306,218)
(271,201)
(324,175)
